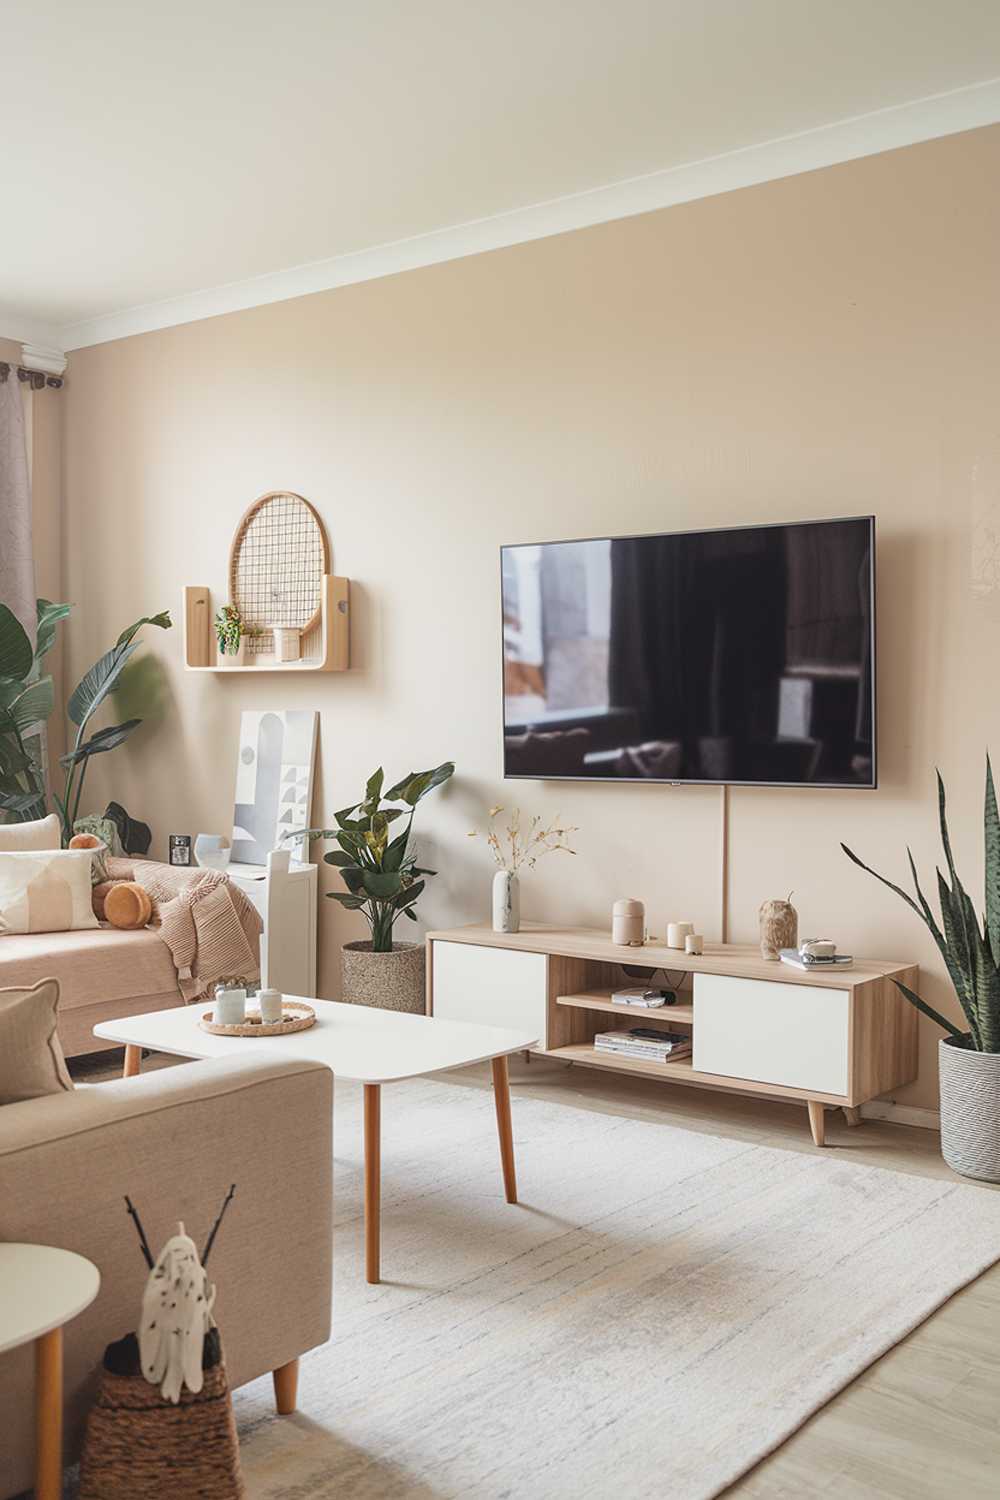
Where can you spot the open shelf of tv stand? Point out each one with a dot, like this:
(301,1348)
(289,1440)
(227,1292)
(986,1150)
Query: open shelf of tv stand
(758,1027)
(680,1070)
(681,1015)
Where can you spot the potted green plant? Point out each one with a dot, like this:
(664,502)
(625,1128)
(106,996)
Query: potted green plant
(384,883)
(969,1060)
(231,634)
(27,699)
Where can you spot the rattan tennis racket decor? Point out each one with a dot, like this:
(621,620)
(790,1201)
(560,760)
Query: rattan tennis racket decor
(294,611)
(277,563)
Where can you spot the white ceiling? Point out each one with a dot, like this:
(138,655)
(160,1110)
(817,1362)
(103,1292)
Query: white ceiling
(155,154)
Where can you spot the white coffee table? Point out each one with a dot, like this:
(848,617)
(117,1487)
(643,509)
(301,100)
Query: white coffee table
(41,1288)
(371,1046)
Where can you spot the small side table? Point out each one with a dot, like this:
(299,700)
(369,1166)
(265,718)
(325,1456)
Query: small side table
(285,895)
(41,1289)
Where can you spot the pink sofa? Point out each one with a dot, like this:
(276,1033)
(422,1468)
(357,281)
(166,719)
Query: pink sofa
(103,974)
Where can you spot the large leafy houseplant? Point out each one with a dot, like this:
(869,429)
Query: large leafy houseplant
(27,698)
(971,952)
(88,695)
(381,874)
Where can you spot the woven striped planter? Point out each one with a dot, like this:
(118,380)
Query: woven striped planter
(970,1110)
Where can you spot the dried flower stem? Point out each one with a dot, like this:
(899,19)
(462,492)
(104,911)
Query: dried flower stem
(516,845)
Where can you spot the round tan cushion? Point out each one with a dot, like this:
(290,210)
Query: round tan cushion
(127,905)
(84,841)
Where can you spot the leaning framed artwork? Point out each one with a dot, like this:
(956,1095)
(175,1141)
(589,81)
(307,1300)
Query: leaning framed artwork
(274,780)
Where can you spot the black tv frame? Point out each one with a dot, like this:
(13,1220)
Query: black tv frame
(806,786)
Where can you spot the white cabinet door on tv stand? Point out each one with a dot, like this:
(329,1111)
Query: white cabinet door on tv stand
(793,1035)
(494,986)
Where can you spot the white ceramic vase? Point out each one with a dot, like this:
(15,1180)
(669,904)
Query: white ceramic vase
(506,902)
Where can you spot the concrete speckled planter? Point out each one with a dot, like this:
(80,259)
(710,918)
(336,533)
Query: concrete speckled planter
(390,981)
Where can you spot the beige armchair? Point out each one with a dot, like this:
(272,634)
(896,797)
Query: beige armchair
(174,1139)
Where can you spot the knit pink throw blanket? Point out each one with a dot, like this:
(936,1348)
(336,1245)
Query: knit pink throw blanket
(211,927)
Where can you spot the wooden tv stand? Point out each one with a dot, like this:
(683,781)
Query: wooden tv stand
(759,1027)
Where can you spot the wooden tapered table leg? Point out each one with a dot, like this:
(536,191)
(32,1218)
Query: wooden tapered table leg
(48,1415)
(501,1097)
(286,1387)
(373,1182)
(852,1116)
(817,1122)
(133,1061)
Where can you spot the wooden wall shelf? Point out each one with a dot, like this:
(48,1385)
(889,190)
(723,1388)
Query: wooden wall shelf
(325,648)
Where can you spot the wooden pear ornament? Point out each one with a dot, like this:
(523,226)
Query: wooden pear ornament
(779,927)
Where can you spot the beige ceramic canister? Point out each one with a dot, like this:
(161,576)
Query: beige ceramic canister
(628,923)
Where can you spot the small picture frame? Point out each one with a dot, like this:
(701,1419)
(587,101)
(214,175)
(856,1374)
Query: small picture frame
(180,848)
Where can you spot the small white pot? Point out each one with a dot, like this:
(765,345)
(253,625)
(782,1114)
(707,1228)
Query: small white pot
(230,1007)
(506,902)
(270,1002)
(237,658)
(287,643)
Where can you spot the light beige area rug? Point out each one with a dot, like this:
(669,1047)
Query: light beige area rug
(661,1310)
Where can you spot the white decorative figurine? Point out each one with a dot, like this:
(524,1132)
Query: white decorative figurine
(176,1315)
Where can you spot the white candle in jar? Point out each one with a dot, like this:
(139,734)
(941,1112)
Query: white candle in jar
(270,1006)
(677,932)
(230,1007)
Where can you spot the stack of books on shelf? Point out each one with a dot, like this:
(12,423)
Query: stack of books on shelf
(643,1041)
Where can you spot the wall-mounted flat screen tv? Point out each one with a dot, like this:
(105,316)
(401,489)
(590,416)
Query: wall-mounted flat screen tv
(741,655)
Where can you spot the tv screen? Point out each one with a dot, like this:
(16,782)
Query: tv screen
(743,655)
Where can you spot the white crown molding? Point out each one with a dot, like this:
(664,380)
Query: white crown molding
(827,145)
(43,357)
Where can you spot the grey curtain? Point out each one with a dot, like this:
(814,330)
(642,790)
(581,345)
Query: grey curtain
(17,564)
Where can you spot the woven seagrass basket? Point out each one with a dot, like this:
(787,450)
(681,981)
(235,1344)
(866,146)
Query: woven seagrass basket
(140,1447)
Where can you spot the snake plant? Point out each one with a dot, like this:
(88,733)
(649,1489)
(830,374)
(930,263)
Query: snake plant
(971,953)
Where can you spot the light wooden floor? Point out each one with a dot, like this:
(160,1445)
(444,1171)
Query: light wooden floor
(922,1423)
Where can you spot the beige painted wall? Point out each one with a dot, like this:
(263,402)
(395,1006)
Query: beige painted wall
(824,345)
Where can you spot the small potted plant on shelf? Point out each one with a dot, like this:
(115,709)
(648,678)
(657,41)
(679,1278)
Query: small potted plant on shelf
(231,633)
(383,882)
(513,847)
(969,1060)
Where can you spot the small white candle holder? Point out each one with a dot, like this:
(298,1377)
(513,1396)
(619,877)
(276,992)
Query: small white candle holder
(677,932)
(270,1002)
(230,1007)
(694,943)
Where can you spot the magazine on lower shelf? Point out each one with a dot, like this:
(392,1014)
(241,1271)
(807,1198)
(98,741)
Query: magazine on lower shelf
(643,1041)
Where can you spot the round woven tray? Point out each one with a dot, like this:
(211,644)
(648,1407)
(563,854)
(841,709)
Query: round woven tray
(299,1018)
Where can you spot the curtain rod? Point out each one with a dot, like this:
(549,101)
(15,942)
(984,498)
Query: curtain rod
(37,380)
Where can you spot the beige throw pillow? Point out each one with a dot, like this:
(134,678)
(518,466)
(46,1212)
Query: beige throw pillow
(44,833)
(31,1059)
(45,890)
